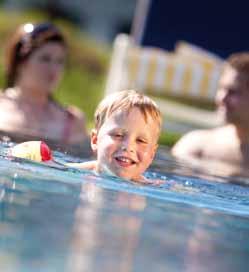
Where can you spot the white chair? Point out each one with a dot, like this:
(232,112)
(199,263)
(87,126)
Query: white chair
(187,74)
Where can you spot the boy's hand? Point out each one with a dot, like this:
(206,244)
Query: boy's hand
(155,182)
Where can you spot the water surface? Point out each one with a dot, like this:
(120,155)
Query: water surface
(64,219)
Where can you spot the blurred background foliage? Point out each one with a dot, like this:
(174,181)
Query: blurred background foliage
(88,62)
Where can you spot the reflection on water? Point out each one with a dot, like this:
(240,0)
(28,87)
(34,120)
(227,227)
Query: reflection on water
(113,230)
(69,220)
(149,235)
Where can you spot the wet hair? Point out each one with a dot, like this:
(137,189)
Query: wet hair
(125,101)
(27,38)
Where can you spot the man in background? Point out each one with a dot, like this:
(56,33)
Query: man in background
(230,142)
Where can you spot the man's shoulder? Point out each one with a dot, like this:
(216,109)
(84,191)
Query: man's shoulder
(194,142)
(196,135)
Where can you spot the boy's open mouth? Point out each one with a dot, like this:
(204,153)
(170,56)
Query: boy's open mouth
(124,161)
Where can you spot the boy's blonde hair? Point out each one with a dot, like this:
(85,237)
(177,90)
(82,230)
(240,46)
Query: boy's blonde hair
(125,101)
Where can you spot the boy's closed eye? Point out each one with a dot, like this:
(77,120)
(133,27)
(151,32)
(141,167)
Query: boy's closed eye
(117,135)
(142,141)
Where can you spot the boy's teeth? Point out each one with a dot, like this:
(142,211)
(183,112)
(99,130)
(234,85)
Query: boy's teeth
(124,159)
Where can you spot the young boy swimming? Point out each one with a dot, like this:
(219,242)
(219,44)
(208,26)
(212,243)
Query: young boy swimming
(127,128)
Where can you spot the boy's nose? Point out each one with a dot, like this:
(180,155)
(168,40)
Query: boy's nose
(128,145)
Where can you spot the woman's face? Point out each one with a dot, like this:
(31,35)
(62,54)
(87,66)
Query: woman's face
(43,70)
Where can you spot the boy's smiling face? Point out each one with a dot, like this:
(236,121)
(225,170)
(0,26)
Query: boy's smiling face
(126,144)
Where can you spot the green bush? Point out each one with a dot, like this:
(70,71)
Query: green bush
(169,138)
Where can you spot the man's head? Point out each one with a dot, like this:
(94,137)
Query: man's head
(127,127)
(233,93)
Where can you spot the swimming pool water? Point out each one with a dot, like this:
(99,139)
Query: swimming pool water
(64,219)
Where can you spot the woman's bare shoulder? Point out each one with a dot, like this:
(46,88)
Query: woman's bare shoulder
(78,124)
(3,96)
(7,103)
(76,112)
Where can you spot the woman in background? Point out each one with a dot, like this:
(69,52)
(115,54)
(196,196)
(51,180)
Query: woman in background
(35,59)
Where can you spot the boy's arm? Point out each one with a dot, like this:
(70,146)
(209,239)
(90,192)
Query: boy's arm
(89,165)
(144,180)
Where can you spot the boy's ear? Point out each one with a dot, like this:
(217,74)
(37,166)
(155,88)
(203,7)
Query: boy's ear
(94,140)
